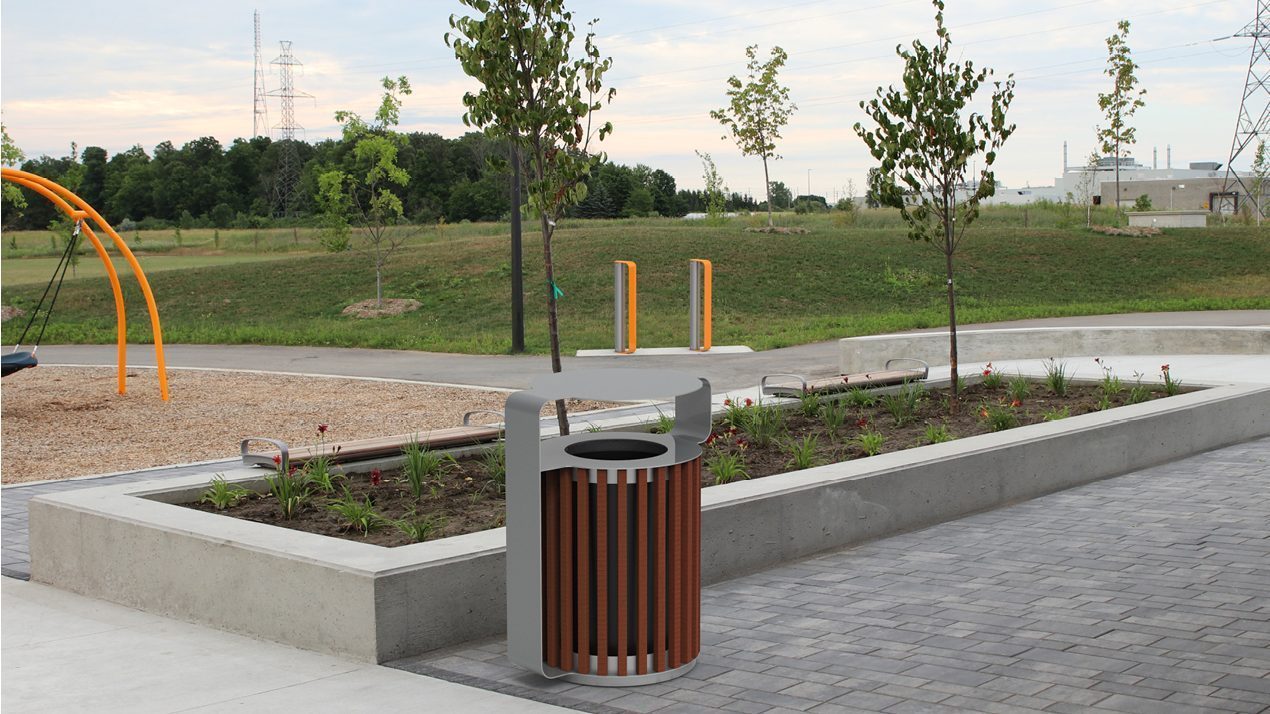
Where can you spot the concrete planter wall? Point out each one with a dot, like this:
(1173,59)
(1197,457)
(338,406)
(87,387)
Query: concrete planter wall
(126,544)
(861,354)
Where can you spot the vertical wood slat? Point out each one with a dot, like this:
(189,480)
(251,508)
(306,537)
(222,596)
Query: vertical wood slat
(551,550)
(659,604)
(566,570)
(623,580)
(601,572)
(684,509)
(696,560)
(641,570)
(675,563)
(584,574)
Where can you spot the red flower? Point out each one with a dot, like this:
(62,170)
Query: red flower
(727,402)
(1164,368)
(376,477)
(749,402)
(321,428)
(987,372)
(1016,403)
(277,459)
(291,471)
(742,444)
(710,439)
(732,430)
(861,422)
(983,412)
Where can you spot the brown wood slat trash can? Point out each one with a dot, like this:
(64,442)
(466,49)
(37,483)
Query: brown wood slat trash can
(618,535)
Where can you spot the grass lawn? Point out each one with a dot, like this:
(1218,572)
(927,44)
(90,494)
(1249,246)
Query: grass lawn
(770,290)
(31,271)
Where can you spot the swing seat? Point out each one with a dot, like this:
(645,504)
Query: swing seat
(16,361)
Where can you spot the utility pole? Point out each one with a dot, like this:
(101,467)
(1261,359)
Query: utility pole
(1254,109)
(287,177)
(260,108)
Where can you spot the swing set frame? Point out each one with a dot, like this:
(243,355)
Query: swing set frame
(78,210)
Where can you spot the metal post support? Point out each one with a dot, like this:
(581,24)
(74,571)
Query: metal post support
(700,297)
(624,307)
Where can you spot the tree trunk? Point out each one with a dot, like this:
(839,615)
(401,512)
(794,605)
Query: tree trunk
(518,289)
(562,416)
(1117,204)
(767,184)
(952,308)
(379,290)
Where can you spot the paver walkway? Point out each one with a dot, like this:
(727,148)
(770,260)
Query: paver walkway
(1148,593)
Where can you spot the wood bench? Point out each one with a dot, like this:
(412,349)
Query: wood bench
(377,447)
(885,377)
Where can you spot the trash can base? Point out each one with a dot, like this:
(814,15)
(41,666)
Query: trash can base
(628,680)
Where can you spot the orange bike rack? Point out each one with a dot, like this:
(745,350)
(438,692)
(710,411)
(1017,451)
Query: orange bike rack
(78,210)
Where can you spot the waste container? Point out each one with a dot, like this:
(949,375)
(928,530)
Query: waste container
(604,534)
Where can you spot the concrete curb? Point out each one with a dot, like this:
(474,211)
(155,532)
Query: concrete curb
(861,354)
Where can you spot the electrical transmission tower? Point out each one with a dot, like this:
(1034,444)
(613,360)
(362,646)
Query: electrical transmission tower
(260,111)
(288,173)
(1254,109)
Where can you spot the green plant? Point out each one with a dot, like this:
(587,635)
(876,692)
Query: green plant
(736,414)
(1138,393)
(424,467)
(992,377)
(1110,383)
(1018,387)
(1171,386)
(999,416)
(764,424)
(664,424)
(937,434)
(726,467)
(861,397)
(317,470)
(803,452)
(1143,203)
(833,415)
(809,404)
(360,515)
(1056,377)
(222,494)
(494,461)
(870,442)
(1104,403)
(903,403)
(420,528)
(1054,414)
(289,490)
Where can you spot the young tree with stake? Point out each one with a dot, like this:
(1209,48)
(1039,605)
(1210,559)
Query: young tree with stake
(925,141)
(757,110)
(364,195)
(1121,103)
(538,95)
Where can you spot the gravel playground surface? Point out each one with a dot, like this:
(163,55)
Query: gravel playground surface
(61,422)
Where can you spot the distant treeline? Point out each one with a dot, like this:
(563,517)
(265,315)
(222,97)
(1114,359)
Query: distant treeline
(204,184)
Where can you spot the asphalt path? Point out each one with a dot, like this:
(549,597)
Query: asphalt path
(724,370)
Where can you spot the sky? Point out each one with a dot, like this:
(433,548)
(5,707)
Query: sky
(142,72)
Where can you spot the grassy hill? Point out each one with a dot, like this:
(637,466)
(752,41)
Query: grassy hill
(770,290)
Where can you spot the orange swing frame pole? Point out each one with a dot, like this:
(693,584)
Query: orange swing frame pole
(77,209)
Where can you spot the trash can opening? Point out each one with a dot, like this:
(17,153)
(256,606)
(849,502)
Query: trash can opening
(616,449)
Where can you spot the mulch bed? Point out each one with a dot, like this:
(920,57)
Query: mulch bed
(469,500)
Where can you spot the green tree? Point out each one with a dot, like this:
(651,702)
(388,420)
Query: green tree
(715,195)
(1121,102)
(537,94)
(925,140)
(1260,179)
(639,203)
(364,196)
(11,155)
(757,110)
(779,193)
